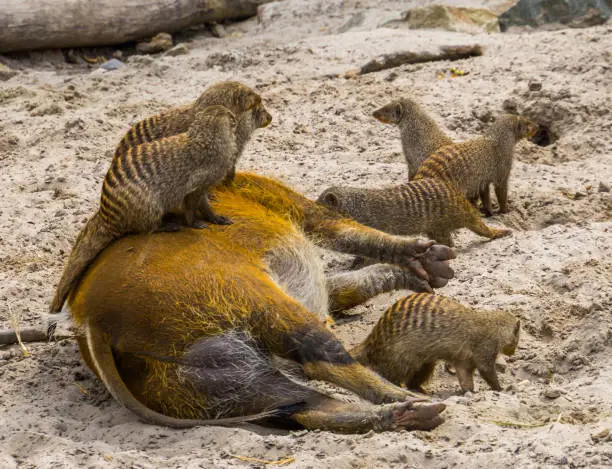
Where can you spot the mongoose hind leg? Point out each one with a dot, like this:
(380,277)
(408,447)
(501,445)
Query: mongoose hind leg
(171,223)
(465,375)
(473,222)
(485,197)
(501,192)
(329,414)
(421,376)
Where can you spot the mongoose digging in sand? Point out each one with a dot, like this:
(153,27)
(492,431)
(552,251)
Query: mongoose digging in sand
(422,328)
(473,165)
(420,134)
(147,181)
(425,206)
(178,341)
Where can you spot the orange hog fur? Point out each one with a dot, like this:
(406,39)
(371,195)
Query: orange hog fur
(182,327)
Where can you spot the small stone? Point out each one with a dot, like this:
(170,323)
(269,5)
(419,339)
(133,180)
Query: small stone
(179,49)
(6,73)
(509,105)
(552,393)
(535,85)
(603,187)
(117,54)
(217,30)
(142,60)
(160,43)
(112,64)
(392,76)
(602,435)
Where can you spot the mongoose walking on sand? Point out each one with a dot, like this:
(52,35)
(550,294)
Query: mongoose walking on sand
(422,328)
(473,165)
(420,134)
(424,206)
(147,181)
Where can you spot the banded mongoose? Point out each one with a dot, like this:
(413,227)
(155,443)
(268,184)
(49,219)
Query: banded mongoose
(231,94)
(426,206)
(417,331)
(420,134)
(147,181)
(473,165)
(174,352)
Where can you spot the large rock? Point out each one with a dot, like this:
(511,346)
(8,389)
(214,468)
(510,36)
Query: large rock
(572,13)
(463,20)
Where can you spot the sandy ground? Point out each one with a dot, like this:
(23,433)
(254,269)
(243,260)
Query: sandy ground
(60,122)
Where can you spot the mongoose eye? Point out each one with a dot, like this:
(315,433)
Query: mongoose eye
(331,200)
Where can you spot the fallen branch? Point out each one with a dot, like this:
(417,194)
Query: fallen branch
(27,335)
(47,24)
(403,58)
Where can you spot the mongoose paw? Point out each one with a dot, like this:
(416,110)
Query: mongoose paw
(434,263)
(410,416)
(199,224)
(220,220)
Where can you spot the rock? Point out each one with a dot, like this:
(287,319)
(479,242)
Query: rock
(112,64)
(572,13)
(603,187)
(159,43)
(179,49)
(141,60)
(459,19)
(552,393)
(534,86)
(402,58)
(217,30)
(6,72)
(601,436)
(354,21)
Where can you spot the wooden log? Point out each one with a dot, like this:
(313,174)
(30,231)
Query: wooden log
(46,24)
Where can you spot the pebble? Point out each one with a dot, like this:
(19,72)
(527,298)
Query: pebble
(6,72)
(112,64)
(179,49)
(535,85)
(218,30)
(603,187)
(552,393)
(161,42)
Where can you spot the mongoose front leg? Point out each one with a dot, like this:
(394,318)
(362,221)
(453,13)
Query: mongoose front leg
(191,204)
(501,192)
(465,374)
(485,197)
(489,374)
(209,215)
(421,376)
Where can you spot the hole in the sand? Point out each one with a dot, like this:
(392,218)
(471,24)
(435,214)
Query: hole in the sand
(544,137)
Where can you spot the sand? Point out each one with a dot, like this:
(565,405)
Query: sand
(59,124)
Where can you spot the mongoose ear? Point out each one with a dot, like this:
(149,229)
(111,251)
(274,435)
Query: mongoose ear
(252,99)
(398,110)
(331,200)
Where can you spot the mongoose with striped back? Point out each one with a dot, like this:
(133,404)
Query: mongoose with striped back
(420,134)
(147,181)
(231,94)
(417,331)
(427,206)
(175,353)
(473,165)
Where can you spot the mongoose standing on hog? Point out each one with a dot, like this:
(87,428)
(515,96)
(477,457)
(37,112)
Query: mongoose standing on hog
(420,134)
(424,206)
(473,165)
(231,94)
(147,181)
(422,328)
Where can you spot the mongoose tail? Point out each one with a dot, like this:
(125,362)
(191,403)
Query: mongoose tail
(92,239)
